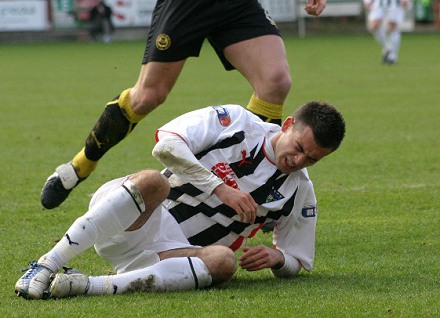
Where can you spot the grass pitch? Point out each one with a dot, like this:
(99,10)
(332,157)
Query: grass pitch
(378,244)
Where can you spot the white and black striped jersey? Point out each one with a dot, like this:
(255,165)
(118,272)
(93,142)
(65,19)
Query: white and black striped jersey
(234,144)
(386,4)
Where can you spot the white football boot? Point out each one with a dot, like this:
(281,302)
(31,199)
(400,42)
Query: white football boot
(34,283)
(66,285)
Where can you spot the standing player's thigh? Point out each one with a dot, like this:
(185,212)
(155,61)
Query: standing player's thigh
(376,14)
(240,21)
(258,57)
(395,15)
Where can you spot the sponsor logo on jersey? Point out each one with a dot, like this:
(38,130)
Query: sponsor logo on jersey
(274,195)
(308,212)
(163,42)
(224,172)
(223,116)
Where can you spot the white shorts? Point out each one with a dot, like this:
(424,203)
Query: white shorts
(392,14)
(138,249)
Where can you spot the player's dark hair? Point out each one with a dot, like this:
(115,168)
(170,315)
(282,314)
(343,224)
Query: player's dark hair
(326,122)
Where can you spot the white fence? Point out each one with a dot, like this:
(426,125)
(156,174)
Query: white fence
(22,15)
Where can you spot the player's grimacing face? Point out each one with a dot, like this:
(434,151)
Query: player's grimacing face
(296,147)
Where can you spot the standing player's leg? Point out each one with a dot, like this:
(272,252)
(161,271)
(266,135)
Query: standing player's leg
(263,62)
(394,37)
(118,119)
(378,30)
(161,66)
(395,18)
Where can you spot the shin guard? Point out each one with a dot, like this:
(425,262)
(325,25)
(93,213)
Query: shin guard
(115,123)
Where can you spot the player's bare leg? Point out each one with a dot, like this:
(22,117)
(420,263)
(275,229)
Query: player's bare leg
(266,70)
(118,119)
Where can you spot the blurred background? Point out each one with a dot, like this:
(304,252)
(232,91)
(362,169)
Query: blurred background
(69,20)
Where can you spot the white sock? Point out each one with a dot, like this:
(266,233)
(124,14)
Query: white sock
(172,274)
(394,44)
(110,216)
(379,36)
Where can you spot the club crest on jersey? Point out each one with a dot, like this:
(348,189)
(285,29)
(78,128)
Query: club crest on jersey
(309,212)
(274,195)
(223,116)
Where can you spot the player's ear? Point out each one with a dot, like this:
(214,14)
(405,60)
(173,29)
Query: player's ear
(287,123)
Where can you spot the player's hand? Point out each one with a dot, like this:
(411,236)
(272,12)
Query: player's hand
(241,202)
(315,7)
(259,257)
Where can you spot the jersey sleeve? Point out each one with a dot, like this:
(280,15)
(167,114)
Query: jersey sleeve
(294,235)
(180,140)
(174,154)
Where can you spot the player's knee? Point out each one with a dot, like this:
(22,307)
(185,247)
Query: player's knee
(153,186)
(284,84)
(392,26)
(374,25)
(146,99)
(153,99)
(278,82)
(221,263)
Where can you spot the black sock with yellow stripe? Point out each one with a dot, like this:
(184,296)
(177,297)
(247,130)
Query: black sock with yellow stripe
(116,122)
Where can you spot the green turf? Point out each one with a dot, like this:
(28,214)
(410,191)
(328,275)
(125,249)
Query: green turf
(377,250)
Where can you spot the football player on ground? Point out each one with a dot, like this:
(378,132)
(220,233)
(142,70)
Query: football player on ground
(227,173)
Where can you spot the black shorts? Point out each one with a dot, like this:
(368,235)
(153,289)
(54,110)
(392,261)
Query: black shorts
(179,27)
